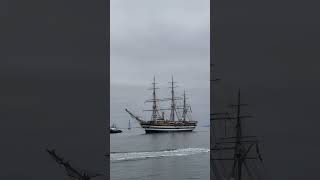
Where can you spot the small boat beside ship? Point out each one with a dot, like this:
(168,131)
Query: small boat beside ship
(114,129)
(179,120)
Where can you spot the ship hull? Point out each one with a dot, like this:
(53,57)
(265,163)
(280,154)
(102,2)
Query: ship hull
(162,129)
(149,131)
(115,131)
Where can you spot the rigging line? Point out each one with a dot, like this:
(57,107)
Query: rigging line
(248,150)
(188,116)
(256,170)
(177,113)
(213,132)
(157,109)
(233,124)
(222,165)
(234,168)
(258,152)
(166,116)
(212,129)
(263,168)
(248,170)
(225,121)
(216,172)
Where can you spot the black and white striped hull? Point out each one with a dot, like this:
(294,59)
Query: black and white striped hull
(159,129)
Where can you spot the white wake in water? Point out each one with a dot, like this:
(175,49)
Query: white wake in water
(156,154)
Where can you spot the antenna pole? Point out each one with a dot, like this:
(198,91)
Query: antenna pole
(129,127)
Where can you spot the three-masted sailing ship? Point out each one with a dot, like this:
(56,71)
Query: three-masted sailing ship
(178,120)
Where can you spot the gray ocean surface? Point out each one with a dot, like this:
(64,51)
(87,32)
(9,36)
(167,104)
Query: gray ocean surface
(174,156)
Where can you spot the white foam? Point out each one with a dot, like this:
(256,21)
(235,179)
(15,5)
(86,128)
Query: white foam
(156,154)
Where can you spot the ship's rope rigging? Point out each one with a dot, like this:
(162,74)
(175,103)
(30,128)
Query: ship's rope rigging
(159,122)
(159,113)
(240,149)
(71,171)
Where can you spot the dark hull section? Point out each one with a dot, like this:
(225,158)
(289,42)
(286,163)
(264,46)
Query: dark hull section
(168,126)
(115,131)
(171,131)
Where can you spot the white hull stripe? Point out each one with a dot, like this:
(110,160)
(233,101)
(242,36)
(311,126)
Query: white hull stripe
(152,129)
(169,127)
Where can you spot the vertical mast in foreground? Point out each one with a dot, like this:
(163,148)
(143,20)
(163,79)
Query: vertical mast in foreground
(239,146)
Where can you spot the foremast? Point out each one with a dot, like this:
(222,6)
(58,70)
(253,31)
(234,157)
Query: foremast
(173,109)
(155,107)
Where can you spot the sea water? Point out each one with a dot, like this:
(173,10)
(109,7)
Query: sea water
(177,156)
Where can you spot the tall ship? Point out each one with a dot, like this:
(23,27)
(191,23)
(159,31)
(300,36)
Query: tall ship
(179,119)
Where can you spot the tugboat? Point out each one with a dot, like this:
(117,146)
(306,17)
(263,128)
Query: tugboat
(178,121)
(114,129)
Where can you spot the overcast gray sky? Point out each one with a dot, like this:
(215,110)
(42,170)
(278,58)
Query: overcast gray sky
(152,37)
(161,38)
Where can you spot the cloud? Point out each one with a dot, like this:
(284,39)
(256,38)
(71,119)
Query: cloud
(150,37)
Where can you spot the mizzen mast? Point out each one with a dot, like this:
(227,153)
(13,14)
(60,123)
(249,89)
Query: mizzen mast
(184,113)
(185,108)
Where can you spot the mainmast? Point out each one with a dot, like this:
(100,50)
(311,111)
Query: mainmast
(173,103)
(174,114)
